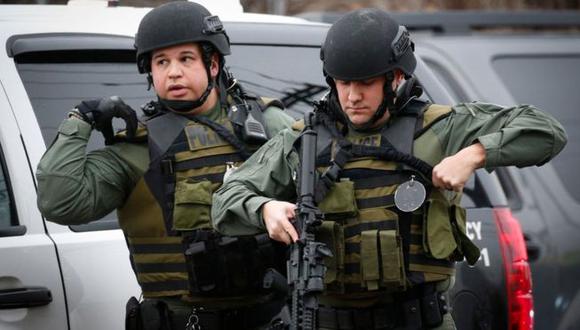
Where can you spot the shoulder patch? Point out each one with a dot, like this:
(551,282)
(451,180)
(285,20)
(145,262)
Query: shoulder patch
(433,113)
(298,125)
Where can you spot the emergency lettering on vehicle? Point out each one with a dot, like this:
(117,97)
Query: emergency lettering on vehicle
(484,257)
(473,231)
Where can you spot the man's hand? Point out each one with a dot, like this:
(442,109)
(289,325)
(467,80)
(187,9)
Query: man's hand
(453,171)
(100,114)
(277,216)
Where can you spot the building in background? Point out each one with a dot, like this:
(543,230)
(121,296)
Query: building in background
(294,7)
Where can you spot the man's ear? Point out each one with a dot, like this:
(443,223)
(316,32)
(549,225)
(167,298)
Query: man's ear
(150,81)
(399,76)
(214,67)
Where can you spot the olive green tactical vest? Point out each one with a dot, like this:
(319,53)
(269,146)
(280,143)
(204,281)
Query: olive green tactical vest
(200,158)
(376,247)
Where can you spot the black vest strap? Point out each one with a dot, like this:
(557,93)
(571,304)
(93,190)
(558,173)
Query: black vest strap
(396,145)
(399,133)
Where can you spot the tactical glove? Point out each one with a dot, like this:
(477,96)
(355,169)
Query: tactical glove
(100,113)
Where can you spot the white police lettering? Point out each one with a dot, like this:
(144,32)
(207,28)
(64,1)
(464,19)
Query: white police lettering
(473,230)
(484,257)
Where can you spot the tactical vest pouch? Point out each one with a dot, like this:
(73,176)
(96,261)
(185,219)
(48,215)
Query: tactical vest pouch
(382,260)
(201,258)
(444,236)
(192,205)
(340,202)
(465,247)
(369,255)
(393,270)
(331,234)
(438,238)
(223,266)
(133,315)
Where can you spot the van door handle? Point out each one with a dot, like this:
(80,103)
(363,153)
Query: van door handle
(25,297)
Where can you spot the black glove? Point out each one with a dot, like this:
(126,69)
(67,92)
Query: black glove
(100,113)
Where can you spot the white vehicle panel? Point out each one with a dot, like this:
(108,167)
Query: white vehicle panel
(23,257)
(98,278)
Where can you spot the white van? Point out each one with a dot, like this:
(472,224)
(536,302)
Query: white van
(52,57)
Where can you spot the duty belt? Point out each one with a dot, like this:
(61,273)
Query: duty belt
(243,318)
(419,308)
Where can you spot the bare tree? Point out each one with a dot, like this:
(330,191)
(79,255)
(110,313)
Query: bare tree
(299,6)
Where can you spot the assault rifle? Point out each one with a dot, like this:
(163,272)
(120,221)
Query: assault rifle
(305,265)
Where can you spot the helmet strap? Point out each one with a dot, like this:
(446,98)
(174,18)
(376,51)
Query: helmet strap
(149,81)
(184,106)
(388,101)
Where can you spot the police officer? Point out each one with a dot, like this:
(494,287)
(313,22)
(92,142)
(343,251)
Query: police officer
(391,172)
(161,172)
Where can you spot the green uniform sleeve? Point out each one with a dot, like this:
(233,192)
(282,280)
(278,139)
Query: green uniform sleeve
(276,120)
(520,135)
(267,175)
(75,187)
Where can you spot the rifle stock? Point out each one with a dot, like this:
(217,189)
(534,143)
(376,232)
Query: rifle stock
(305,265)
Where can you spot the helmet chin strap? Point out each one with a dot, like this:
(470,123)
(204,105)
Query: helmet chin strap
(184,106)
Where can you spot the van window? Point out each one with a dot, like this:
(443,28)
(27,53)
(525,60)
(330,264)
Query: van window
(55,88)
(545,82)
(8,220)
(5,214)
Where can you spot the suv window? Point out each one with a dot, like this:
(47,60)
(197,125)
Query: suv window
(447,80)
(528,80)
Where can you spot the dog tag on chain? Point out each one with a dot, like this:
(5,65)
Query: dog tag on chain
(410,195)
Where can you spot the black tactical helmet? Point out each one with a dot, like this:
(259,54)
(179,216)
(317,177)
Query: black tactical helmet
(176,23)
(366,43)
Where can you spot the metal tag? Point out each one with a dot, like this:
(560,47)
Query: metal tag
(410,195)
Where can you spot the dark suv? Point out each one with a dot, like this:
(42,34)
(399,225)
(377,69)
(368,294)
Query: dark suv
(521,57)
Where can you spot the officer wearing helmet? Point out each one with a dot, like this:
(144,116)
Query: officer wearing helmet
(160,174)
(391,168)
